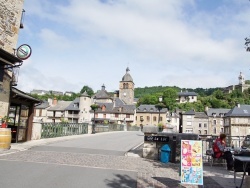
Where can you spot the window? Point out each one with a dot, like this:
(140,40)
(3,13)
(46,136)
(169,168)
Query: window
(148,118)
(199,125)
(199,131)
(189,123)
(188,117)
(214,130)
(127,116)
(160,118)
(221,122)
(205,125)
(154,118)
(236,130)
(116,115)
(205,132)
(104,115)
(189,130)
(221,130)
(214,122)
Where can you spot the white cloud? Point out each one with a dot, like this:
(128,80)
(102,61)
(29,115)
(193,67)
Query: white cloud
(170,42)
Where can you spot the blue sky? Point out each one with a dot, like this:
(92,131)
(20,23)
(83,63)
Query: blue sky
(184,43)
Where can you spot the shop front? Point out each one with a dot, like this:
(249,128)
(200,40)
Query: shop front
(20,115)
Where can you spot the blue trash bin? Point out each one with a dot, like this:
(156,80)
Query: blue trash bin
(165,153)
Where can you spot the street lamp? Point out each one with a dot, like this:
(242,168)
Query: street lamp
(141,119)
(94,107)
(159,106)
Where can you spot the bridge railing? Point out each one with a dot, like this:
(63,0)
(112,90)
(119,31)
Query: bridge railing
(50,130)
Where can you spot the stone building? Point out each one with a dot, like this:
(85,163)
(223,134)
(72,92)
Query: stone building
(237,121)
(241,86)
(14,104)
(126,88)
(216,120)
(195,122)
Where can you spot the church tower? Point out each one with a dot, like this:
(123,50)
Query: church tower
(241,79)
(126,88)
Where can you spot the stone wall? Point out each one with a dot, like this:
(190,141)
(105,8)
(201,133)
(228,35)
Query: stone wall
(10,18)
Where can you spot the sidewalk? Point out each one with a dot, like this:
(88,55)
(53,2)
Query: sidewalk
(153,174)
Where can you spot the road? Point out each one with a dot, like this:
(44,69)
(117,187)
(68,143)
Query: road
(96,161)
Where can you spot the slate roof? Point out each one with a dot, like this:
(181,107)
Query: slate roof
(102,94)
(149,108)
(116,106)
(200,115)
(43,105)
(190,112)
(61,106)
(217,111)
(74,105)
(241,111)
(127,77)
(187,94)
(84,94)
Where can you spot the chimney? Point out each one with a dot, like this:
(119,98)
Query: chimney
(206,108)
(54,101)
(238,105)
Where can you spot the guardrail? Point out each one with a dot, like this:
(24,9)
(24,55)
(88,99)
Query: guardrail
(50,130)
(114,127)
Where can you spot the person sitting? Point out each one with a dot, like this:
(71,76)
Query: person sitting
(219,151)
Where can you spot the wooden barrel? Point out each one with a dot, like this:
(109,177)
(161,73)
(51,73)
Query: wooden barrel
(5,138)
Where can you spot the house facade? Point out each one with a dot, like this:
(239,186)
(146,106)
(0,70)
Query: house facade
(216,120)
(149,115)
(237,121)
(195,122)
(186,96)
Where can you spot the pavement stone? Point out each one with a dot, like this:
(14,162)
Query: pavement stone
(150,173)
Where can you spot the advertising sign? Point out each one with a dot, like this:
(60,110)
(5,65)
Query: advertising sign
(23,51)
(191,162)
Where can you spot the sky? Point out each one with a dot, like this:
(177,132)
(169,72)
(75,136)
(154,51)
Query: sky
(184,43)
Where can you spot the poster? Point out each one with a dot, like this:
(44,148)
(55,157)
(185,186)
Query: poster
(191,162)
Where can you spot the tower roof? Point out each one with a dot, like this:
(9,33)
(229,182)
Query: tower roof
(127,77)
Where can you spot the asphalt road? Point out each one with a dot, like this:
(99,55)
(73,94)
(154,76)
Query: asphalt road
(96,161)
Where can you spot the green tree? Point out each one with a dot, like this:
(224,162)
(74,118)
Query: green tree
(88,89)
(169,98)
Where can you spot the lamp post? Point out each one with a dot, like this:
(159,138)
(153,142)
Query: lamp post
(159,106)
(141,119)
(94,107)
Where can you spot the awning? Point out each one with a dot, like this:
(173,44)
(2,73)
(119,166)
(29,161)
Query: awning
(19,97)
(8,59)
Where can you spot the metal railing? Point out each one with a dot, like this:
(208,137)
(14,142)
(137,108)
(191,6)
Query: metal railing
(50,130)
(114,127)
(233,142)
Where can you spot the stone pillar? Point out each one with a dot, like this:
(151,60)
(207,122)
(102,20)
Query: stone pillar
(36,130)
(150,150)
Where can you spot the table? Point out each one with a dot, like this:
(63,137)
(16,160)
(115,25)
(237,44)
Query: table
(245,160)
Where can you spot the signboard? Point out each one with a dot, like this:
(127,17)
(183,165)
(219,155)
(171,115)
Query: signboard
(23,52)
(156,138)
(191,162)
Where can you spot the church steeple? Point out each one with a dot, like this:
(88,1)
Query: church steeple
(241,78)
(126,89)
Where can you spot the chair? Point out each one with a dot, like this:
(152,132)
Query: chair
(213,160)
